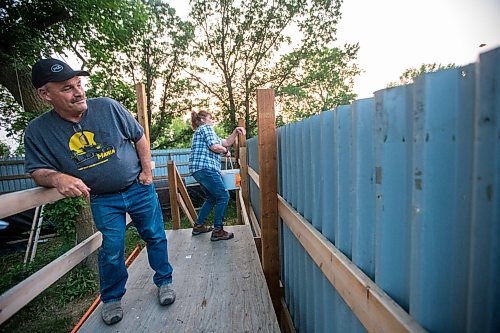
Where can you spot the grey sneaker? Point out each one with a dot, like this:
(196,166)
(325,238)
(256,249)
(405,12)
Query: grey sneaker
(166,294)
(112,312)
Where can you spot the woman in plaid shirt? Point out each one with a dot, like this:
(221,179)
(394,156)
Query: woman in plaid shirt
(204,165)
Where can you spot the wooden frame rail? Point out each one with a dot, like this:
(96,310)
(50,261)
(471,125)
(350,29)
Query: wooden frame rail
(21,294)
(254,175)
(15,202)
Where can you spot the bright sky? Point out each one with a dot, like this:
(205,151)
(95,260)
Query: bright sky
(395,35)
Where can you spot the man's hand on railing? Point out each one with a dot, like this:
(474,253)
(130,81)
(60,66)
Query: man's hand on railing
(70,186)
(67,185)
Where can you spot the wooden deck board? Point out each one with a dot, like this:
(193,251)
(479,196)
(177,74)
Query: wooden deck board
(220,287)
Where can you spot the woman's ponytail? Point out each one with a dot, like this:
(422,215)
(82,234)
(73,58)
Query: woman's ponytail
(197,118)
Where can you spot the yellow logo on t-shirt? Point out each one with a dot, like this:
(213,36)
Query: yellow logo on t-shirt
(83,148)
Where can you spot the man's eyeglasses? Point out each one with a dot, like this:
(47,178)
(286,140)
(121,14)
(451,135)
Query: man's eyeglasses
(82,138)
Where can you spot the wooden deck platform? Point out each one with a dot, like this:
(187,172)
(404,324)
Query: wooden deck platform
(220,287)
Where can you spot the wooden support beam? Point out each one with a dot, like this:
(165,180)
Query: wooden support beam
(238,208)
(185,195)
(254,175)
(244,214)
(185,209)
(172,191)
(254,223)
(241,140)
(244,189)
(371,305)
(286,319)
(268,193)
(142,108)
(258,245)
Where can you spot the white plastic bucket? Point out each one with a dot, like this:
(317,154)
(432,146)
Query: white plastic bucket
(231,178)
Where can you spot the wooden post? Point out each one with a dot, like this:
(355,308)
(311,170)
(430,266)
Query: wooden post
(172,191)
(244,178)
(142,108)
(268,193)
(241,143)
(242,139)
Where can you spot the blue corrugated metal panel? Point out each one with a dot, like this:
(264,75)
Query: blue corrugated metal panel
(441,202)
(393,162)
(363,183)
(317,281)
(14,166)
(179,156)
(292,150)
(307,162)
(303,280)
(299,174)
(278,160)
(343,140)
(428,230)
(328,184)
(253,162)
(484,272)
(315,183)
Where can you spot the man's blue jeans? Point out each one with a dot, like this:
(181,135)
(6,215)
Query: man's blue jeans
(216,193)
(108,210)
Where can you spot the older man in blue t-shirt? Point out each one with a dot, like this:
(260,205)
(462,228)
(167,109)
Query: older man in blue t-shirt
(95,148)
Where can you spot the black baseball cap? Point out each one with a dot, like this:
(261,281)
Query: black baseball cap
(52,70)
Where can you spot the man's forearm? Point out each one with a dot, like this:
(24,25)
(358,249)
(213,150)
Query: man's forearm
(67,185)
(45,177)
(144,153)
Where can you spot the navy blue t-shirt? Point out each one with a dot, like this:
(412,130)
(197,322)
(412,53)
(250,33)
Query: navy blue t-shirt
(98,149)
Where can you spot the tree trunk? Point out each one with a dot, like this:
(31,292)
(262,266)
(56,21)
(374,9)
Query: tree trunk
(19,84)
(84,229)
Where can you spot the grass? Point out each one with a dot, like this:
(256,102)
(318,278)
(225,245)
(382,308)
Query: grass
(61,306)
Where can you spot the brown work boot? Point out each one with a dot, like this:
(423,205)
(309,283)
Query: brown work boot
(221,234)
(201,229)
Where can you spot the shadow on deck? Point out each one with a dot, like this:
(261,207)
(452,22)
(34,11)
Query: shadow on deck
(220,287)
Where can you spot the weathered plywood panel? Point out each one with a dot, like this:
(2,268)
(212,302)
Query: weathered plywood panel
(220,288)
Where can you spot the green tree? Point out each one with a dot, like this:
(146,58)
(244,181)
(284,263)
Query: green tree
(321,80)
(101,84)
(4,149)
(177,134)
(410,74)
(156,55)
(240,40)
(89,29)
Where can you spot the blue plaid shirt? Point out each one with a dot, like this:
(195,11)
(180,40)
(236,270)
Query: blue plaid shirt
(201,156)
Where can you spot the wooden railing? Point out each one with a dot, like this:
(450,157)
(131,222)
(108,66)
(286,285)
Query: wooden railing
(17,297)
